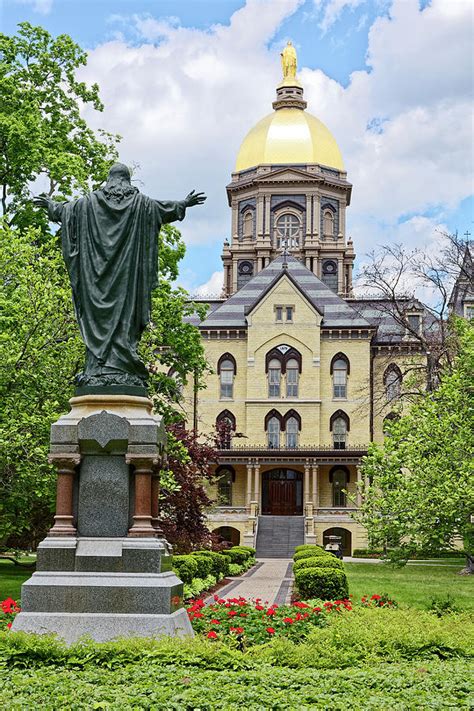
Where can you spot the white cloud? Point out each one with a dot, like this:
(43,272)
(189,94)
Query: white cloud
(184,98)
(212,287)
(332,10)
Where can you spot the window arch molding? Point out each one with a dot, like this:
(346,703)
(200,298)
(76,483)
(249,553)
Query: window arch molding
(295,415)
(339,468)
(226,356)
(392,380)
(277,415)
(222,468)
(226,415)
(340,414)
(340,356)
(283,358)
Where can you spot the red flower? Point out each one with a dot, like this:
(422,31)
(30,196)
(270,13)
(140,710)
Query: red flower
(215,622)
(288,620)
(317,609)
(9,605)
(271,612)
(259,607)
(238,630)
(270,630)
(212,635)
(9,624)
(375,597)
(232,613)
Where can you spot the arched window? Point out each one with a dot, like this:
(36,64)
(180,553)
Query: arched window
(393,382)
(225,426)
(339,425)
(292,428)
(292,377)
(329,276)
(339,371)
(339,478)
(248,224)
(328,222)
(226,476)
(274,378)
(288,230)
(273,433)
(226,369)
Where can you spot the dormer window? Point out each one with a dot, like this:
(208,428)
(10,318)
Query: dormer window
(288,230)
(414,324)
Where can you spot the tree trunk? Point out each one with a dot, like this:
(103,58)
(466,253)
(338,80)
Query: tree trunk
(469,568)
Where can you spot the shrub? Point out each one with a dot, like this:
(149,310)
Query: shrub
(199,585)
(238,555)
(236,569)
(225,563)
(185,567)
(311,553)
(220,564)
(204,563)
(251,550)
(308,547)
(367,553)
(323,583)
(318,562)
(442,605)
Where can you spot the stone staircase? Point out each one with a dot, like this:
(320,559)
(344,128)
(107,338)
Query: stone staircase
(277,536)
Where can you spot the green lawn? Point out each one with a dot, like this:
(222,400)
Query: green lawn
(412,585)
(11,579)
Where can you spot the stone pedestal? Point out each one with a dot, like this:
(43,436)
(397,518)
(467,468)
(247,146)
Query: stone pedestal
(104,571)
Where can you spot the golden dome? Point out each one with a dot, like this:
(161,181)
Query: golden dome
(289,135)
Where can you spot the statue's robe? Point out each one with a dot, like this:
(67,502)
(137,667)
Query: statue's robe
(111,253)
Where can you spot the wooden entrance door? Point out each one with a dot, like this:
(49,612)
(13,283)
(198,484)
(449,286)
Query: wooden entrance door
(282,493)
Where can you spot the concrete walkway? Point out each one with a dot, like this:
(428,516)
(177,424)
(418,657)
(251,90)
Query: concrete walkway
(269,580)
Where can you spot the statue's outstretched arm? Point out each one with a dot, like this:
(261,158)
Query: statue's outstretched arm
(171,211)
(55,209)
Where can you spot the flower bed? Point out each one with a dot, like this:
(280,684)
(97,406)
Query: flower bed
(245,622)
(9,608)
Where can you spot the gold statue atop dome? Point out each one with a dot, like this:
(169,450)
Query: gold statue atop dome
(288,61)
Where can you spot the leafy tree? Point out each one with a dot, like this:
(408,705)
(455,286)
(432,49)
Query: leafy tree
(42,133)
(183,497)
(418,490)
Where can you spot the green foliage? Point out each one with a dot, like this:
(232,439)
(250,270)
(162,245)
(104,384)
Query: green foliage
(185,567)
(419,493)
(311,552)
(235,569)
(249,549)
(42,133)
(198,586)
(238,555)
(318,562)
(442,605)
(219,563)
(204,563)
(323,583)
(308,547)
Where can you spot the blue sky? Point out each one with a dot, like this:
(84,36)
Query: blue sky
(183,81)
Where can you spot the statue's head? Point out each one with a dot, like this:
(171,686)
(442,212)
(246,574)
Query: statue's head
(118,184)
(119,171)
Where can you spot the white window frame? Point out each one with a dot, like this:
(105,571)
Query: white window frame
(341,384)
(273,433)
(229,373)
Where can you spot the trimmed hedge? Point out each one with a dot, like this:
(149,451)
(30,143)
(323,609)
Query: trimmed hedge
(322,583)
(311,553)
(308,547)
(220,563)
(185,567)
(238,555)
(252,551)
(204,562)
(318,562)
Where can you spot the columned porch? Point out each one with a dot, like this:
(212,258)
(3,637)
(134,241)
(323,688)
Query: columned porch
(319,484)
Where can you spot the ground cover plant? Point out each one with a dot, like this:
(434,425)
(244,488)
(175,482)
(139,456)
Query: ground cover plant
(367,658)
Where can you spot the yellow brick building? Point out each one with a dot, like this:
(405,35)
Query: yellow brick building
(303,373)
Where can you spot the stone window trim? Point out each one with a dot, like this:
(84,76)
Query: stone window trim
(222,468)
(411,332)
(392,380)
(338,468)
(339,414)
(224,357)
(283,358)
(282,419)
(340,356)
(282,311)
(290,209)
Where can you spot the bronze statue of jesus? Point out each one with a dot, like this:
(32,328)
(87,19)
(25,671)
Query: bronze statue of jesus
(110,246)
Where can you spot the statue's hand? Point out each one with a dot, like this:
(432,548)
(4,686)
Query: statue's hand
(41,201)
(194,199)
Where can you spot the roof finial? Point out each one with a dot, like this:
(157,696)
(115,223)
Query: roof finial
(289,61)
(285,253)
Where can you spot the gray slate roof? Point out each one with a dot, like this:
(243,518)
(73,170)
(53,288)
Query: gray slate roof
(335,311)
(379,313)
